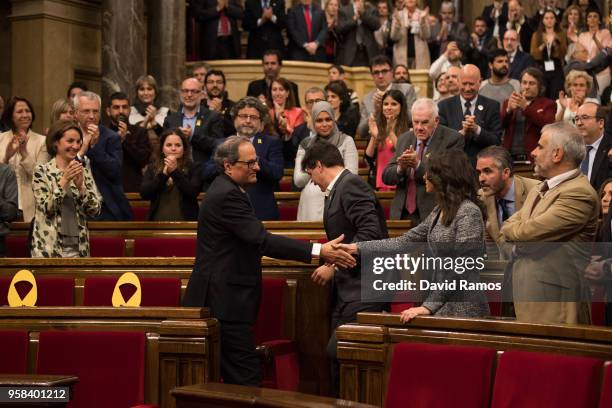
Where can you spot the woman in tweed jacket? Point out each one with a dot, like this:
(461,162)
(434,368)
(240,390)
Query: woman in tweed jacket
(454,228)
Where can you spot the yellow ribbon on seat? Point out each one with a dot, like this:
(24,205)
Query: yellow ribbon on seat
(134,301)
(14,300)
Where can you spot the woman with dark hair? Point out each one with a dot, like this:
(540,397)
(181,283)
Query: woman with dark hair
(285,115)
(172,181)
(390,122)
(548,49)
(595,39)
(22,149)
(345,113)
(66,195)
(454,229)
(146,111)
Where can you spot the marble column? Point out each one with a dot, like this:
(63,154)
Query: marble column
(124,46)
(167,47)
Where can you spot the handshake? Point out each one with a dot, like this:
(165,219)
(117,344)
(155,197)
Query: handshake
(335,253)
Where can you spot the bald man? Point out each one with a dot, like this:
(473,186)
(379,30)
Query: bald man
(474,116)
(202,126)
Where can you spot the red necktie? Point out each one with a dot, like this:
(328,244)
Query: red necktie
(308,22)
(411,204)
(224,25)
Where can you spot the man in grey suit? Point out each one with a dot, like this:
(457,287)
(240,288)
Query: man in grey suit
(351,208)
(357,22)
(408,165)
(381,69)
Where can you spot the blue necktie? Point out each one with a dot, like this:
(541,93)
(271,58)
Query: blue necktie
(584,166)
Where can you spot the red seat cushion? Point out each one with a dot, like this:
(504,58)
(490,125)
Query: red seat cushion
(606,388)
(431,375)
(288,212)
(527,379)
(109,365)
(285,185)
(167,247)
(52,291)
(17,247)
(598,306)
(162,292)
(106,246)
(13,351)
(140,213)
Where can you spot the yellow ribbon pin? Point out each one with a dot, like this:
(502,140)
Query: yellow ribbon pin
(14,300)
(128,278)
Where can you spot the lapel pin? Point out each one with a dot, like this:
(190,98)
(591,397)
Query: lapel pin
(480,107)
(198,122)
(259,141)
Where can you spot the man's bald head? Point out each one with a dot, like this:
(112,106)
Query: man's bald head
(191,93)
(469,81)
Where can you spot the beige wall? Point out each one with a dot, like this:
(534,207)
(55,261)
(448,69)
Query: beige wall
(54,42)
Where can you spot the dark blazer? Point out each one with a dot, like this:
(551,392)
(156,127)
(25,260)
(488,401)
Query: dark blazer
(270,153)
(541,111)
(298,35)
(486,111)
(136,155)
(231,241)
(502,19)
(521,61)
(260,87)
(442,139)
(602,168)
(189,185)
(349,120)
(207,134)
(600,62)
(480,58)
(268,35)
(347,29)
(352,209)
(208,16)
(290,147)
(525,34)
(106,157)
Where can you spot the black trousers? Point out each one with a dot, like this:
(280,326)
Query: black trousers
(239,362)
(225,48)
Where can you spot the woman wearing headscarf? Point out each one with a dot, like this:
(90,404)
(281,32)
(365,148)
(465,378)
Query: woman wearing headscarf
(324,127)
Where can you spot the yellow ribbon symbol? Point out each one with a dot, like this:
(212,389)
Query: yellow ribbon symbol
(128,278)
(14,300)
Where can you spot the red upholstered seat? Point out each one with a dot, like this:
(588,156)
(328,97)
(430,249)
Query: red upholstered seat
(151,247)
(526,379)
(110,365)
(282,371)
(288,212)
(13,351)
(17,247)
(106,246)
(606,388)
(285,185)
(387,211)
(140,213)
(52,291)
(164,292)
(431,375)
(598,306)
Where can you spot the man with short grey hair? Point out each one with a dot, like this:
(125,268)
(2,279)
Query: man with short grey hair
(407,167)
(548,285)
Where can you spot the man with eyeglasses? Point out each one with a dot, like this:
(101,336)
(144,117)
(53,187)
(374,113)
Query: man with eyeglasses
(202,126)
(218,100)
(381,69)
(290,147)
(590,120)
(227,272)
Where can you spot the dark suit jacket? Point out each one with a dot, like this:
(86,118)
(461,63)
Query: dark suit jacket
(442,139)
(298,35)
(502,19)
(541,111)
(352,209)
(136,155)
(602,168)
(207,134)
(106,157)
(260,87)
(206,12)
(486,111)
(521,61)
(269,34)
(600,62)
(270,153)
(347,30)
(525,34)
(231,241)
(480,58)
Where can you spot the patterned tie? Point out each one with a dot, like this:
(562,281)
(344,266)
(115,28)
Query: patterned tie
(584,166)
(468,105)
(411,203)
(224,25)
(308,22)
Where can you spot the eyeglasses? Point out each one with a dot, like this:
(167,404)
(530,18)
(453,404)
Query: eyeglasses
(381,72)
(245,116)
(582,118)
(191,91)
(251,163)
(313,101)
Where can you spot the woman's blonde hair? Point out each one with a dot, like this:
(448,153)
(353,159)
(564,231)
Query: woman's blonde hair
(571,77)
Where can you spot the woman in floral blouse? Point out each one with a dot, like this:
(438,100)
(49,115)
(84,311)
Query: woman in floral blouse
(65,195)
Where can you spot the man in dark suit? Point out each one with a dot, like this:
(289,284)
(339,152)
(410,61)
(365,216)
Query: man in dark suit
(357,22)
(218,100)
(102,147)
(307,31)
(407,167)
(265,21)
(481,46)
(220,37)
(449,30)
(203,127)
(518,22)
(272,62)
(519,60)
(227,273)
(496,17)
(474,116)
(590,120)
(351,208)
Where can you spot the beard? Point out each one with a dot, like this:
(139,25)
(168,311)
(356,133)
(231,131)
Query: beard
(246,131)
(502,72)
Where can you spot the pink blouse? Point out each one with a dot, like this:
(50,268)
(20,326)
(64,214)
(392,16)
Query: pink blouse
(383,156)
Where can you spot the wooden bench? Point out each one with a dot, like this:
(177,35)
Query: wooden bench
(365,349)
(182,344)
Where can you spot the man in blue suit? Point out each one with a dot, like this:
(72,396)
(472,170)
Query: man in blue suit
(307,30)
(249,114)
(102,149)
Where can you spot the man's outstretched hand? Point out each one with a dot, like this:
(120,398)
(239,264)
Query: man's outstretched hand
(332,253)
